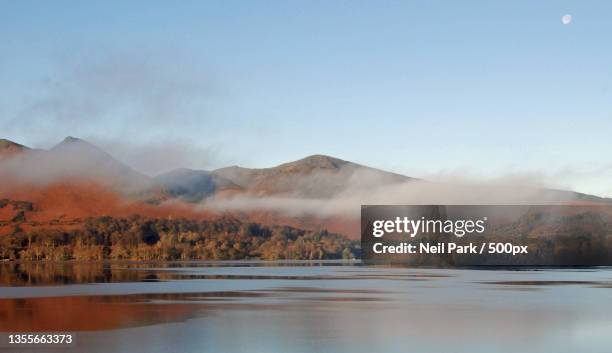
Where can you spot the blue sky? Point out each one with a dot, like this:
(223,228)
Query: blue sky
(479,88)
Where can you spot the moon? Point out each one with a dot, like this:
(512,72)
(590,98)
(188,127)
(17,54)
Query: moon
(566,19)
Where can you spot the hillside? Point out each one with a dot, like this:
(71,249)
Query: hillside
(9,148)
(72,159)
(76,180)
(316,176)
(194,185)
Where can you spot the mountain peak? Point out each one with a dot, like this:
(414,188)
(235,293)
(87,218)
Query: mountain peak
(322,160)
(4,143)
(71,139)
(75,157)
(75,143)
(9,148)
(315,161)
(315,176)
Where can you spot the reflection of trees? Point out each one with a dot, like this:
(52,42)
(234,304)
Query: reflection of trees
(41,273)
(91,313)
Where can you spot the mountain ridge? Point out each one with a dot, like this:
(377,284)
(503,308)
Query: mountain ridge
(192,185)
(75,179)
(316,176)
(9,148)
(73,158)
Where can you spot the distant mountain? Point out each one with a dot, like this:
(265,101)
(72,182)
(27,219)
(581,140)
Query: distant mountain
(9,148)
(82,159)
(549,194)
(193,185)
(75,180)
(73,158)
(316,176)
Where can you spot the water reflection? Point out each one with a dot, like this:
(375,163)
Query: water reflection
(47,274)
(87,313)
(93,313)
(547,283)
(129,307)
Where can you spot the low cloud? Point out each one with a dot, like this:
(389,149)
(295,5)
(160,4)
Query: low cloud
(368,188)
(153,158)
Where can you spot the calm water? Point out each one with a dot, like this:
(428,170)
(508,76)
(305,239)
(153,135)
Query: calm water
(308,307)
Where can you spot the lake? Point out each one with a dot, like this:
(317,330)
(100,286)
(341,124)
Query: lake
(307,307)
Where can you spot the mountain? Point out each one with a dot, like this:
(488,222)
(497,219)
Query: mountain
(75,180)
(316,176)
(9,148)
(193,185)
(72,159)
(81,159)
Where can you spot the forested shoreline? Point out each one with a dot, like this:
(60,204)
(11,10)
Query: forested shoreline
(142,238)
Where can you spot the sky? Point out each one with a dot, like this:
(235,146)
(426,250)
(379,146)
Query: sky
(473,90)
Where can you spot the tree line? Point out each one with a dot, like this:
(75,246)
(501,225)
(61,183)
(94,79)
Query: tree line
(142,238)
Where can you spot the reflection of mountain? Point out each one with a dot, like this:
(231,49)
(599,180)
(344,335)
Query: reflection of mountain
(76,179)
